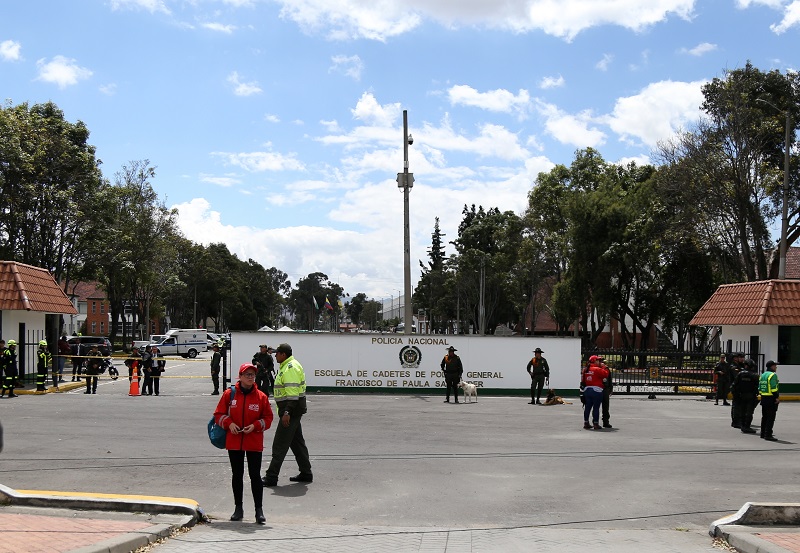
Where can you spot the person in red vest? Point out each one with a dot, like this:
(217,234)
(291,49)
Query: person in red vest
(594,379)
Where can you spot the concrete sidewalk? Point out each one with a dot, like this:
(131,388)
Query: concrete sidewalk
(104,523)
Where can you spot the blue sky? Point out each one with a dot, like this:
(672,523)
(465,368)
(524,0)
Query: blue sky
(276,126)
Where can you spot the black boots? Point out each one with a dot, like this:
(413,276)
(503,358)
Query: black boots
(238,513)
(260,518)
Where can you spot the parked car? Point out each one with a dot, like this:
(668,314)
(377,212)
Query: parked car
(103,343)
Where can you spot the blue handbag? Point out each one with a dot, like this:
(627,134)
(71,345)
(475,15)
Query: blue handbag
(216,433)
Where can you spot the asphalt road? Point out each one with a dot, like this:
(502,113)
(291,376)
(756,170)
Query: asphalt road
(413,460)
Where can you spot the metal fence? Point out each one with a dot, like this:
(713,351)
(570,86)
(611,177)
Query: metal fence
(662,372)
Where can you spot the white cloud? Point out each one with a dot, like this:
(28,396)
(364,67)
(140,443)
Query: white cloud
(576,130)
(10,50)
(62,71)
(352,66)
(791,18)
(224,181)
(243,89)
(494,100)
(657,112)
(700,50)
(603,64)
(219,27)
(108,89)
(348,19)
(261,161)
(551,82)
(272,118)
(368,111)
(151,6)
(770,3)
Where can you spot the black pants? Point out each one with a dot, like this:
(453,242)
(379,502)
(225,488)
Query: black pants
(769,408)
(91,383)
(451,382)
(215,380)
(147,387)
(156,381)
(722,390)
(236,457)
(605,405)
(9,382)
(747,406)
(537,385)
(41,380)
(76,368)
(287,438)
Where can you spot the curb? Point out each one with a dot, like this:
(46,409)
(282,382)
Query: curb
(104,502)
(759,514)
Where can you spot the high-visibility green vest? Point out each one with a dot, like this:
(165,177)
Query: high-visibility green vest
(768,383)
(290,384)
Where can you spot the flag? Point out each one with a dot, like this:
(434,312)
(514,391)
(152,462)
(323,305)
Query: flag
(328,304)
(341,305)
(315,302)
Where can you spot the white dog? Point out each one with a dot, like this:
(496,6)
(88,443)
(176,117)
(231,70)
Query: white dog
(469,390)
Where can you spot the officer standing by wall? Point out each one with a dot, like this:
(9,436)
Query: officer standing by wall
(9,362)
(745,391)
(722,373)
(768,388)
(290,396)
(453,369)
(539,371)
(736,367)
(44,360)
(265,378)
(216,359)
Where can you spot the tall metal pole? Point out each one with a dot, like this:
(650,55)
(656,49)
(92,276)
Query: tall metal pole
(785,216)
(785,211)
(406,232)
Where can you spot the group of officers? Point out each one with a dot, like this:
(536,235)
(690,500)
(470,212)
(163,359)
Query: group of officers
(739,377)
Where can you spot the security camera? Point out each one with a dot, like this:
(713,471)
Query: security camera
(410,140)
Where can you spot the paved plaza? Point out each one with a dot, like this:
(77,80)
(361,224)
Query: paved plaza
(412,471)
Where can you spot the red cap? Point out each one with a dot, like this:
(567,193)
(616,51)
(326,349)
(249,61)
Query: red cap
(247,366)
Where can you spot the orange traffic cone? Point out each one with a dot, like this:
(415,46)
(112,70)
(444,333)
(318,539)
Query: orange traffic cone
(134,391)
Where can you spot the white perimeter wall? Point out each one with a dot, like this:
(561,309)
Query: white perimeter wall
(374,360)
(768,335)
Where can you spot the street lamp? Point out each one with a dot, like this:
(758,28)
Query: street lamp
(405,180)
(785,213)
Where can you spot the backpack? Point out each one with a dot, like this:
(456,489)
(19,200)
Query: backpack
(216,433)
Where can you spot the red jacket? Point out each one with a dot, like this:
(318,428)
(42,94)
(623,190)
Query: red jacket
(594,375)
(246,409)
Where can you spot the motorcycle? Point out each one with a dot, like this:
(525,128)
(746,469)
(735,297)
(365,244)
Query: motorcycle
(107,365)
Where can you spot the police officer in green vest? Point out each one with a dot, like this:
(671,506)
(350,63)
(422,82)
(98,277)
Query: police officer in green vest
(290,395)
(43,360)
(768,388)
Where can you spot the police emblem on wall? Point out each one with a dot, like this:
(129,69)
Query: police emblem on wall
(410,357)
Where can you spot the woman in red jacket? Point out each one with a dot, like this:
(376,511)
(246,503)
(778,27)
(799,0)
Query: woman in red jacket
(595,378)
(245,417)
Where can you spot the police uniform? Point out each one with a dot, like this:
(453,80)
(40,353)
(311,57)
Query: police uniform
(722,371)
(93,363)
(735,369)
(265,365)
(453,369)
(745,390)
(539,371)
(43,360)
(768,388)
(9,362)
(290,396)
